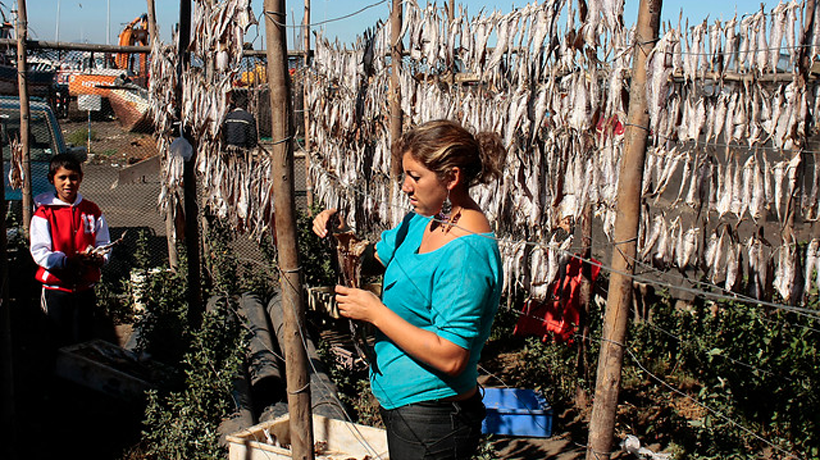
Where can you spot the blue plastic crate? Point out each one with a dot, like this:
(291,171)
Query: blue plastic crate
(517,412)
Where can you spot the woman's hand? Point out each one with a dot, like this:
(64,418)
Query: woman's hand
(358,304)
(423,345)
(321,221)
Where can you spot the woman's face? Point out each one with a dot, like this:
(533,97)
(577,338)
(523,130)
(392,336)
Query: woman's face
(422,186)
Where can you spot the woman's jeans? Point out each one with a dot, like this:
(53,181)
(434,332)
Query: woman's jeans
(435,430)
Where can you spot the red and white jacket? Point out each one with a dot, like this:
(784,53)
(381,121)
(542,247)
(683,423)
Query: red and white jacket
(60,230)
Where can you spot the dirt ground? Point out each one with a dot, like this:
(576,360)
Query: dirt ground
(109,143)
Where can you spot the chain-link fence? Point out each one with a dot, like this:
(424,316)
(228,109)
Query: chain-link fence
(89,102)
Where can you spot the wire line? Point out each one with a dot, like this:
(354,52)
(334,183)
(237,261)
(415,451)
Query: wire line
(314,24)
(714,412)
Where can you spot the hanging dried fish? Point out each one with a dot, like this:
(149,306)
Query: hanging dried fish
(17,172)
(784,280)
(812,264)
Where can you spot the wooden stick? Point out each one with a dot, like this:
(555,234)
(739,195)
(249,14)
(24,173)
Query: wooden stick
(293,309)
(619,298)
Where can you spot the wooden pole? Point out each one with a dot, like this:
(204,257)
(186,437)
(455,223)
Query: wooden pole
(585,297)
(189,179)
(395,65)
(25,111)
(293,310)
(7,406)
(306,104)
(619,299)
(152,22)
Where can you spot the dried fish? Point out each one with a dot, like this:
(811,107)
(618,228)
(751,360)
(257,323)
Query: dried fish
(812,264)
(786,268)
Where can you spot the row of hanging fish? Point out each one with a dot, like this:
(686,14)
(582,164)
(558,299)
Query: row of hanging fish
(757,43)
(561,115)
(236,186)
(724,258)
(529,36)
(754,187)
(751,113)
(235,183)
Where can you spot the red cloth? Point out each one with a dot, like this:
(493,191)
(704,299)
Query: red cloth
(559,316)
(612,123)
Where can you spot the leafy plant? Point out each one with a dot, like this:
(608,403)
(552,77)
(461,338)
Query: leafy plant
(183,424)
(486,449)
(315,253)
(221,261)
(164,330)
(749,366)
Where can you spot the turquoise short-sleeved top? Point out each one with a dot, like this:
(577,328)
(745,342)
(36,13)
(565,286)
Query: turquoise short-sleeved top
(453,291)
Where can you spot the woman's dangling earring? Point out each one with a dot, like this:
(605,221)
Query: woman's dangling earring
(446,209)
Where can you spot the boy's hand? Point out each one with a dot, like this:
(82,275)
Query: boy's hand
(73,270)
(93,260)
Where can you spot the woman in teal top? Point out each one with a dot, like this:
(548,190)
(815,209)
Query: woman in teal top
(441,289)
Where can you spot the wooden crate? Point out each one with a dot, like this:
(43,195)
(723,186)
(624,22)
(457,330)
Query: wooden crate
(333,440)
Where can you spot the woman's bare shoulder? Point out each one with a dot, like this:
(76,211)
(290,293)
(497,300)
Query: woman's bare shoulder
(472,221)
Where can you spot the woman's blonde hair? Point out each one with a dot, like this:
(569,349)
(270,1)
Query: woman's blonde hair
(441,145)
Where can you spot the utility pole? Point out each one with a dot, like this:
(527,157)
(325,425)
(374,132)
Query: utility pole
(57,28)
(306,103)
(293,310)
(395,65)
(619,299)
(189,180)
(25,111)
(152,23)
(108,23)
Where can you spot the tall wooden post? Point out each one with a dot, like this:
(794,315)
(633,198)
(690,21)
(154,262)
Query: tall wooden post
(585,297)
(189,179)
(619,299)
(306,104)
(293,311)
(395,65)
(152,22)
(25,111)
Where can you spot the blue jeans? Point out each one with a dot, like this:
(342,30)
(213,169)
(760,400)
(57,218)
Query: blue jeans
(435,430)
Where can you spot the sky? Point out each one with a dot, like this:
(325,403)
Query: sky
(99,21)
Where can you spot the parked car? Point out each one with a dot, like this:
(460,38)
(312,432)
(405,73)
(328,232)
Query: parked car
(45,141)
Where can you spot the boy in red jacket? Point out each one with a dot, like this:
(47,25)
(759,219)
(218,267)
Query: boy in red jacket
(65,229)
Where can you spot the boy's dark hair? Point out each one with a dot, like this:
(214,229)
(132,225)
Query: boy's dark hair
(63,160)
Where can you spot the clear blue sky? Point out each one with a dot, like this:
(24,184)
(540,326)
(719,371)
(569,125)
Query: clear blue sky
(87,20)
